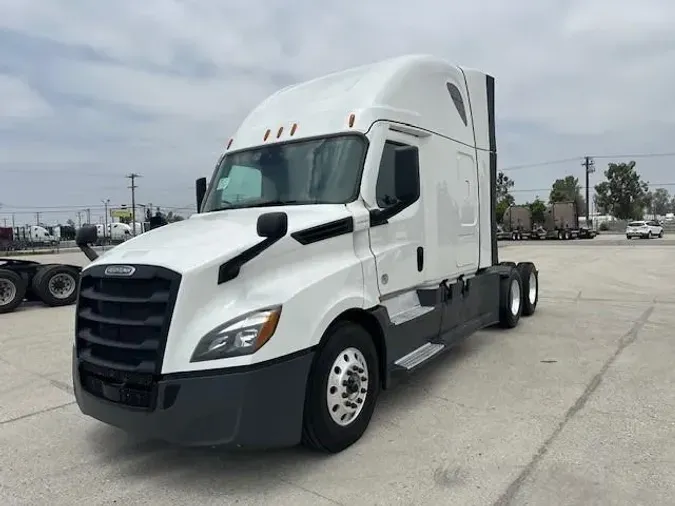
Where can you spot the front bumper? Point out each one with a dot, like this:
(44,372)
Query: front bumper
(257,407)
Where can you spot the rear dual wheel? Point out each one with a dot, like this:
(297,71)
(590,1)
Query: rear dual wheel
(519,293)
(56,285)
(530,279)
(12,290)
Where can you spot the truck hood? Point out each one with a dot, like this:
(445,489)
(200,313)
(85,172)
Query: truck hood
(211,237)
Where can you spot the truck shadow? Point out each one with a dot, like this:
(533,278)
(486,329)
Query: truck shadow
(233,472)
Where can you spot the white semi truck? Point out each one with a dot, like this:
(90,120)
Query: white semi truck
(347,237)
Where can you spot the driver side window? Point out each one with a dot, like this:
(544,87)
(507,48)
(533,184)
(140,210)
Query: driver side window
(241,183)
(398,177)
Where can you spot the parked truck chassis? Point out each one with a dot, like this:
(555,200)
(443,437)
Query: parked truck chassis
(24,280)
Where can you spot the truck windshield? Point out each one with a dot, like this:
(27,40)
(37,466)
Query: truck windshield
(315,171)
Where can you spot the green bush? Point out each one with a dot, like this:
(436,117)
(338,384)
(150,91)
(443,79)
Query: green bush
(604,226)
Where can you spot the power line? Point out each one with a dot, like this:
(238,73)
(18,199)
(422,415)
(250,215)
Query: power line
(643,155)
(6,211)
(541,164)
(581,158)
(651,185)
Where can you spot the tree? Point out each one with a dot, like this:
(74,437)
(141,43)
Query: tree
(504,197)
(623,194)
(70,222)
(568,189)
(660,200)
(538,210)
(504,185)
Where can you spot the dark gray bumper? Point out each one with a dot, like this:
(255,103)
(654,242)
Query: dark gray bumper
(253,407)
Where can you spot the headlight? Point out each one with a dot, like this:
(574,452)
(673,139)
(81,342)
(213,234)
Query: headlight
(242,336)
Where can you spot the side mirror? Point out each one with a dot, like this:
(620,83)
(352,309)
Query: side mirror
(272,225)
(200,187)
(85,236)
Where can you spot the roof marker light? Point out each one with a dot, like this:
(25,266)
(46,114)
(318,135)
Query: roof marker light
(293,129)
(267,134)
(229,143)
(281,129)
(352,118)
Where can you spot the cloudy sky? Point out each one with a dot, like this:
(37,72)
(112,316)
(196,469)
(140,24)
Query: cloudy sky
(92,90)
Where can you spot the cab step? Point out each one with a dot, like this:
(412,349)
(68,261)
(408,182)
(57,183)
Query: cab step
(419,355)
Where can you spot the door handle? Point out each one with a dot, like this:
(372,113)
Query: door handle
(420,259)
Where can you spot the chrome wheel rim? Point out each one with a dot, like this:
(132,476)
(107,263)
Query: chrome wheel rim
(532,294)
(347,386)
(515,297)
(7,292)
(61,286)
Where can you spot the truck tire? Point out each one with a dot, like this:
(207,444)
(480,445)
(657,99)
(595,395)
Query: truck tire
(510,299)
(56,285)
(560,235)
(530,278)
(342,389)
(12,290)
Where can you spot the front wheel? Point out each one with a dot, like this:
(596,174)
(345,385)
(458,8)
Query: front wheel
(661,234)
(649,234)
(342,389)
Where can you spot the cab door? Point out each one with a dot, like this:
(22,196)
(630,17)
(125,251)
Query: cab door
(397,222)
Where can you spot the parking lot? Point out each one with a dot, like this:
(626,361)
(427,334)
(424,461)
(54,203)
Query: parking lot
(573,407)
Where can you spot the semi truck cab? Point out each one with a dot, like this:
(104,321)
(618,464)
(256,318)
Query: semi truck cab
(346,237)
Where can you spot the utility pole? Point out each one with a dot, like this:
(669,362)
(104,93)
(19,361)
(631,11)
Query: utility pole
(589,165)
(105,226)
(37,218)
(133,187)
(13,221)
(5,220)
(79,219)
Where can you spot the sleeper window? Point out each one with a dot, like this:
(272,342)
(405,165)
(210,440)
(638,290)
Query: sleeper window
(456,96)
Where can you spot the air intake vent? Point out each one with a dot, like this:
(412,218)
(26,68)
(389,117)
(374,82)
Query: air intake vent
(323,232)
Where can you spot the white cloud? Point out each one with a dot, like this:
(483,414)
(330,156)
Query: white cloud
(573,76)
(19,101)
